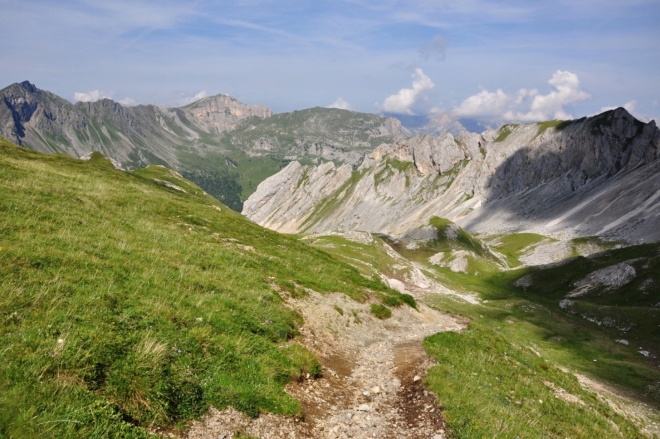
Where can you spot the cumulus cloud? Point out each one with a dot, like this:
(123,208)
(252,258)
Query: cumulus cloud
(341,103)
(91,96)
(484,104)
(128,102)
(434,49)
(402,102)
(550,106)
(526,105)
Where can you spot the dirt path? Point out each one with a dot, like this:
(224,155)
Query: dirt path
(372,377)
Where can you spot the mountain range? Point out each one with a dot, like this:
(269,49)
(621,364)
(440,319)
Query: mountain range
(431,282)
(592,176)
(225,146)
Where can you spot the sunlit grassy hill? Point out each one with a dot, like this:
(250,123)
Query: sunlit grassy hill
(133,299)
(516,370)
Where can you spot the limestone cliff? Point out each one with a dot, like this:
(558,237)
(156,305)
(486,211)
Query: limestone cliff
(593,176)
(220,113)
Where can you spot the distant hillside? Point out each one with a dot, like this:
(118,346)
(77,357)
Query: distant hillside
(192,139)
(327,134)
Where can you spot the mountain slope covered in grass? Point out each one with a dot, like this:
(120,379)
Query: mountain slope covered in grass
(133,300)
(526,366)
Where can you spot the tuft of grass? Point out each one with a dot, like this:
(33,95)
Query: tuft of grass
(557,124)
(305,361)
(505,130)
(129,304)
(356,316)
(339,310)
(380,311)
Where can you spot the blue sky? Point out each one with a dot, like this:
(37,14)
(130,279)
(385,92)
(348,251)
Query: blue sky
(489,60)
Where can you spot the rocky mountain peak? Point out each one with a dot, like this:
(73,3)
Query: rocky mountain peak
(28,86)
(19,104)
(222,113)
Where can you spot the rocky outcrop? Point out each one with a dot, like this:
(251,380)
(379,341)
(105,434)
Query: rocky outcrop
(220,113)
(429,154)
(593,176)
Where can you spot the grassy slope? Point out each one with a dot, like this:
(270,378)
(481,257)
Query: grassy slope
(126,303)
(480,257)
(512,246)
(531,323)
(491,377)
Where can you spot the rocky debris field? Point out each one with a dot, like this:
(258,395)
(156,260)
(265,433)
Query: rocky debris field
(372,381)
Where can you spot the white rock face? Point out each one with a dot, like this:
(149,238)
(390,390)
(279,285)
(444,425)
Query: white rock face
(457,260)
(548,253)
(607,278)
(221,113)
(594,176)
(309,187)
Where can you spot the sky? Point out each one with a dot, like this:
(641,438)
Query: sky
(493,61)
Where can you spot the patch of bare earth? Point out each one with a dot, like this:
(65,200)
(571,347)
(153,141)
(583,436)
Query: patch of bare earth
(372,377)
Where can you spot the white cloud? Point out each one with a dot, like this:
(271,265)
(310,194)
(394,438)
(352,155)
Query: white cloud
(501,105)
(128,102)
(630,106)
(484,104)
(341,103)
(91,96)
(190,99)
(550,106)
(402,101)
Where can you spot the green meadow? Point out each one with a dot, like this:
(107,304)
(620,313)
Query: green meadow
(131,301)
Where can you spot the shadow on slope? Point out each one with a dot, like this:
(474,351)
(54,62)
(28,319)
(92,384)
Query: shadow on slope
(588,175)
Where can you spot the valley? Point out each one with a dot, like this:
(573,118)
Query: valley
(376,284)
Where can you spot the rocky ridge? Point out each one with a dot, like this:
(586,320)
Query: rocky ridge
(573,178)
(320,134)
(133,136)
(225,146)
